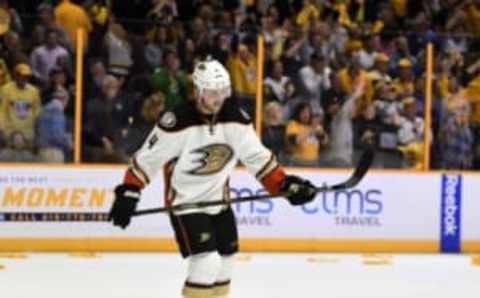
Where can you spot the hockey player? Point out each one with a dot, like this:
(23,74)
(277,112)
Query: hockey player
(198,145)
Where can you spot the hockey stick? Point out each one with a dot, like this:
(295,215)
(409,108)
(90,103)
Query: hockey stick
(362,167)
(360,171)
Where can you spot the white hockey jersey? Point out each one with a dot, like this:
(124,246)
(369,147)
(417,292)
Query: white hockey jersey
(198,153)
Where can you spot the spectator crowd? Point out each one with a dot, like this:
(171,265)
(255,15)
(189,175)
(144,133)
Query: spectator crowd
(340,75)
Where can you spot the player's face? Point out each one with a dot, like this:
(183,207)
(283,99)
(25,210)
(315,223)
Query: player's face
(211,100)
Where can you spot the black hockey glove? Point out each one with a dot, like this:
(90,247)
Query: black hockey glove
(299,191)
(126,199)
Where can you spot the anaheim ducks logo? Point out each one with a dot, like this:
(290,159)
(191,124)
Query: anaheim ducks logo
(213,159)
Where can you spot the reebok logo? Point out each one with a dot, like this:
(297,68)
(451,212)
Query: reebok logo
(451,206)
(451,213)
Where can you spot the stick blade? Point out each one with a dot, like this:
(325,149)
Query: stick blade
(365,162)
(362,168)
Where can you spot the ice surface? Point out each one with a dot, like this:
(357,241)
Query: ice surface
(61,275)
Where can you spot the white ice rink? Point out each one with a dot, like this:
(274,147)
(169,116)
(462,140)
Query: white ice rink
(256,276)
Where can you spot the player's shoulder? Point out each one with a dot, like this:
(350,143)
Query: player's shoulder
(233,112)
(180,117)
(185,115)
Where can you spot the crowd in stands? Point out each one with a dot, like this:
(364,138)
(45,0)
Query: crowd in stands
(340,75)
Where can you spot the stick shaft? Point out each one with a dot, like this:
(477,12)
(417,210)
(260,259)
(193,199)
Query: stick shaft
(363,165)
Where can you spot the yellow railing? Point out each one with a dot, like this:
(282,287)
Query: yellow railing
(259,95)
(77,157)
(428,108)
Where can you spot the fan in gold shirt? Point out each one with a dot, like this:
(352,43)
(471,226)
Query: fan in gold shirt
(305,136)
(19,103)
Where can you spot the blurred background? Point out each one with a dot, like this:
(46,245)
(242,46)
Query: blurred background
(322,78)
(83,82)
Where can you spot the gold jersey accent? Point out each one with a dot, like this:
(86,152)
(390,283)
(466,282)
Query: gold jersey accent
(194,292)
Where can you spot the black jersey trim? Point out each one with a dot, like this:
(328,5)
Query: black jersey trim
(186,115)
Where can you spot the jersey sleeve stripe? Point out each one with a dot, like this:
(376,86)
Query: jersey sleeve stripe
(137,171)
(269,166)
(132,179)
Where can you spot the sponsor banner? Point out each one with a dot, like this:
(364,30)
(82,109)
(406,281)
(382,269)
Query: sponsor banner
(451,208)
(383,206)
(69,202)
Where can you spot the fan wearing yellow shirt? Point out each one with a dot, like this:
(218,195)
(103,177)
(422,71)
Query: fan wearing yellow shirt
(350,76)
(304,138)
(72,17)
(472,16)
(242,67)
(405,81)
(308,14)
(243,71)
(19,103)
(4,74)
(399,7)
